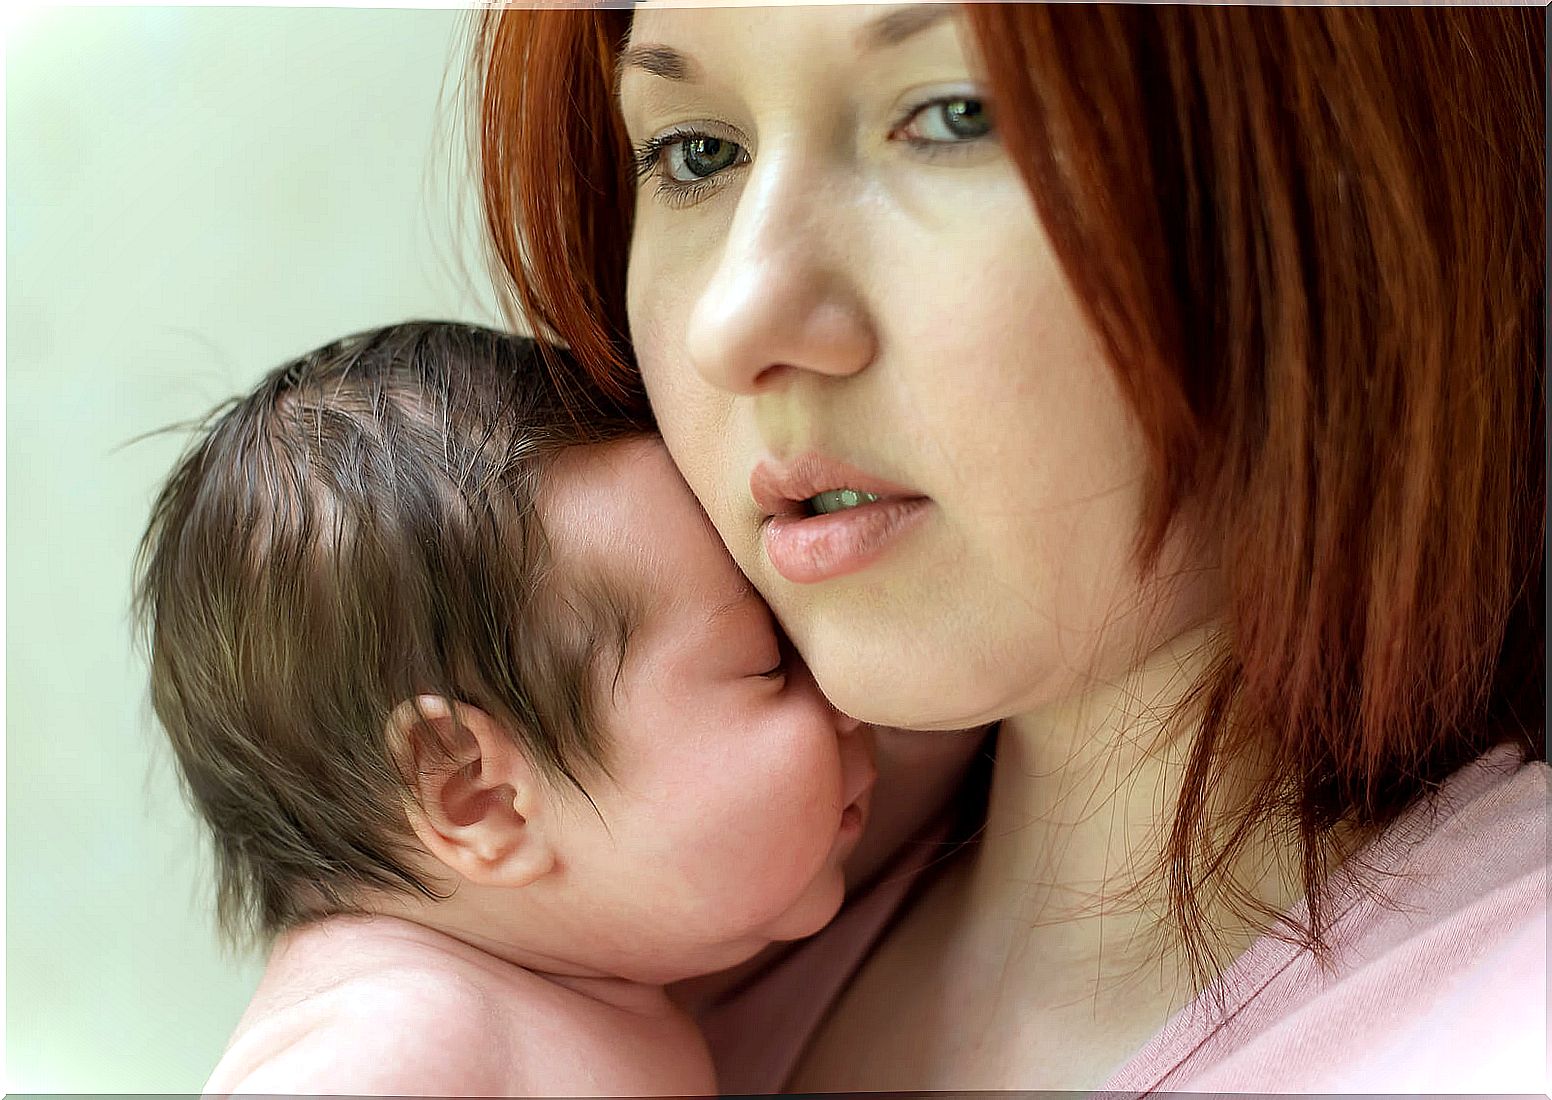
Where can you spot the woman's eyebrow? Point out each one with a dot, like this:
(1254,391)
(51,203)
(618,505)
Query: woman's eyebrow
(663,61)
(898,24)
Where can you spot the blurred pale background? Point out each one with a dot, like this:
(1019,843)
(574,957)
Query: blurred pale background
(192,196)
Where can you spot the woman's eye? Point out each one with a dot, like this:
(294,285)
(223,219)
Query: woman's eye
(696,158)
(947,121)
(683,163)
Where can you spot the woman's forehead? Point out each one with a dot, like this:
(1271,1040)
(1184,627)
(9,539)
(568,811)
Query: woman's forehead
(674,57)
(868,27)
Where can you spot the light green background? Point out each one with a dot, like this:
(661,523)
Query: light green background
(192,195)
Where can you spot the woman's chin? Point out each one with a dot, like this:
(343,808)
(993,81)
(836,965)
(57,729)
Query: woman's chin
(905,697)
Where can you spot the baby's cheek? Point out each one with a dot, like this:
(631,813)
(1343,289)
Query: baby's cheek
(773,844)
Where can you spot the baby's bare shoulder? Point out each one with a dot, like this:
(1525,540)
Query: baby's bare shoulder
(422,1030)
(401,1032)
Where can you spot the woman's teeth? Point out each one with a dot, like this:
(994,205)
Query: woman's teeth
(839,500)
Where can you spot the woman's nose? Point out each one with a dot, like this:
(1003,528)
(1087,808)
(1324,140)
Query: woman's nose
(783,299)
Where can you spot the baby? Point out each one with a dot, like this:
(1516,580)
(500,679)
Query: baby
(492,737)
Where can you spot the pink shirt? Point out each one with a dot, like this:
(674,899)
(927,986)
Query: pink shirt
(1437,985)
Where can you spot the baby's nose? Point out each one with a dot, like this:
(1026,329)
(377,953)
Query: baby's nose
(858,768)
(845,723)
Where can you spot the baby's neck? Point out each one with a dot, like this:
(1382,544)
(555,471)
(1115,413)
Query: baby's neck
(646,1000)
(638,998)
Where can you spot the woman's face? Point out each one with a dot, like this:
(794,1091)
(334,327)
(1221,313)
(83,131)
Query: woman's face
(839,290)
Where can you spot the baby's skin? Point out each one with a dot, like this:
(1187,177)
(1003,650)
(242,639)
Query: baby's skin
(735,794)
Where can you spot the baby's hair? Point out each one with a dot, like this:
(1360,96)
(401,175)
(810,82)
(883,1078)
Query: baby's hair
(358,531)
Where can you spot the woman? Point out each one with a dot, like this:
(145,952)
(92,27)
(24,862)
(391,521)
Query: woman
(1160,384)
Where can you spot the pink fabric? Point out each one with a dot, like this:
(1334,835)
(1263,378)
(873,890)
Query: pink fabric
(758,1030)
(1439,985)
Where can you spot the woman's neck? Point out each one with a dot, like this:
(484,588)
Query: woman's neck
(1069,871)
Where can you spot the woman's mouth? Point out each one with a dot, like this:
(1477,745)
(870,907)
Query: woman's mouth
(839,500)
(825,519)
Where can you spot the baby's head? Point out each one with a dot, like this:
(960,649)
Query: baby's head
(425,644)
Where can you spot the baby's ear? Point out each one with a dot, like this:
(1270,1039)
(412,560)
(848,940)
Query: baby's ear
(479,808)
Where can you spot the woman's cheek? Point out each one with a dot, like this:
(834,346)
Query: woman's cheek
(693,421)
(654,316)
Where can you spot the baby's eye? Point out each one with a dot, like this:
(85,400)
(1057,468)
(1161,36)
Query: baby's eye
(785,655)
(782,661)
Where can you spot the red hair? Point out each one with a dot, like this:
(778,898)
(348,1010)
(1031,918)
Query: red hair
(1311,240)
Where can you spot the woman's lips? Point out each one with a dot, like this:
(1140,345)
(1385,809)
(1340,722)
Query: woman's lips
(806,548)
(809,549)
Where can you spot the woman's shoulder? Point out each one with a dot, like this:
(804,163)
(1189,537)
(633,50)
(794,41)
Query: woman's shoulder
(1460,1008)
(1453,893)
(1483,835)
(1436,975)
(1499,790)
